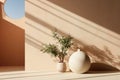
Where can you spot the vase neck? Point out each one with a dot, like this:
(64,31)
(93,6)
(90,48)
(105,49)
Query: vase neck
(78,50)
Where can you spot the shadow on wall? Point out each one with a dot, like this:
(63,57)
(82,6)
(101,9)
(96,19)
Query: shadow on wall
(104,56)
(103,12)
(101,67)
(102,60)
(33,42)
(97,55)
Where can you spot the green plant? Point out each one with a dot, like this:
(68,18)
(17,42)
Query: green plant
(60,49)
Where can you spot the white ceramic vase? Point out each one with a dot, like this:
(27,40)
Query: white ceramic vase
(61,67)
(79,62)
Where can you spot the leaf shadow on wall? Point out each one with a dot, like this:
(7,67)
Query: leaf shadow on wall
(101,68)
(102,60)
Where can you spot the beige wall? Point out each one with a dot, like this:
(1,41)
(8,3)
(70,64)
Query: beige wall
(102,44)
(37,61)
(12,42)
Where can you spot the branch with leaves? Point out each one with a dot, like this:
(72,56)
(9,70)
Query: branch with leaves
(65,43)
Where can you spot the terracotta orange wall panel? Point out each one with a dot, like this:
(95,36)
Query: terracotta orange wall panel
(11,44)
(0,11)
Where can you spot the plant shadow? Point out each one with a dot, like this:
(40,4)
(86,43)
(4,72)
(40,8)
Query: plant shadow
(102,56)
(99,68)
(102,60)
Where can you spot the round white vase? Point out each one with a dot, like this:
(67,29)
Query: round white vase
(79,62)
(61,67)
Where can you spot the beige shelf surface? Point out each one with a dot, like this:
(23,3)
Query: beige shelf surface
(33,75)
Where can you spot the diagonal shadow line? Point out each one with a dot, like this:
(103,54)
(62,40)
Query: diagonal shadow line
(30,40)
(82,22)
(31,25)
(49,26)
(93,77)
(53,28)
(39,21)
(59,17)
(60,11)
(79,20)
(33,38)
(32,43)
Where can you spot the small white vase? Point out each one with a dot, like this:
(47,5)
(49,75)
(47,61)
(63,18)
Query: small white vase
(61,67)
(79,62)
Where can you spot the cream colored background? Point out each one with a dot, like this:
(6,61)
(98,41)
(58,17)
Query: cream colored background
(41,19)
